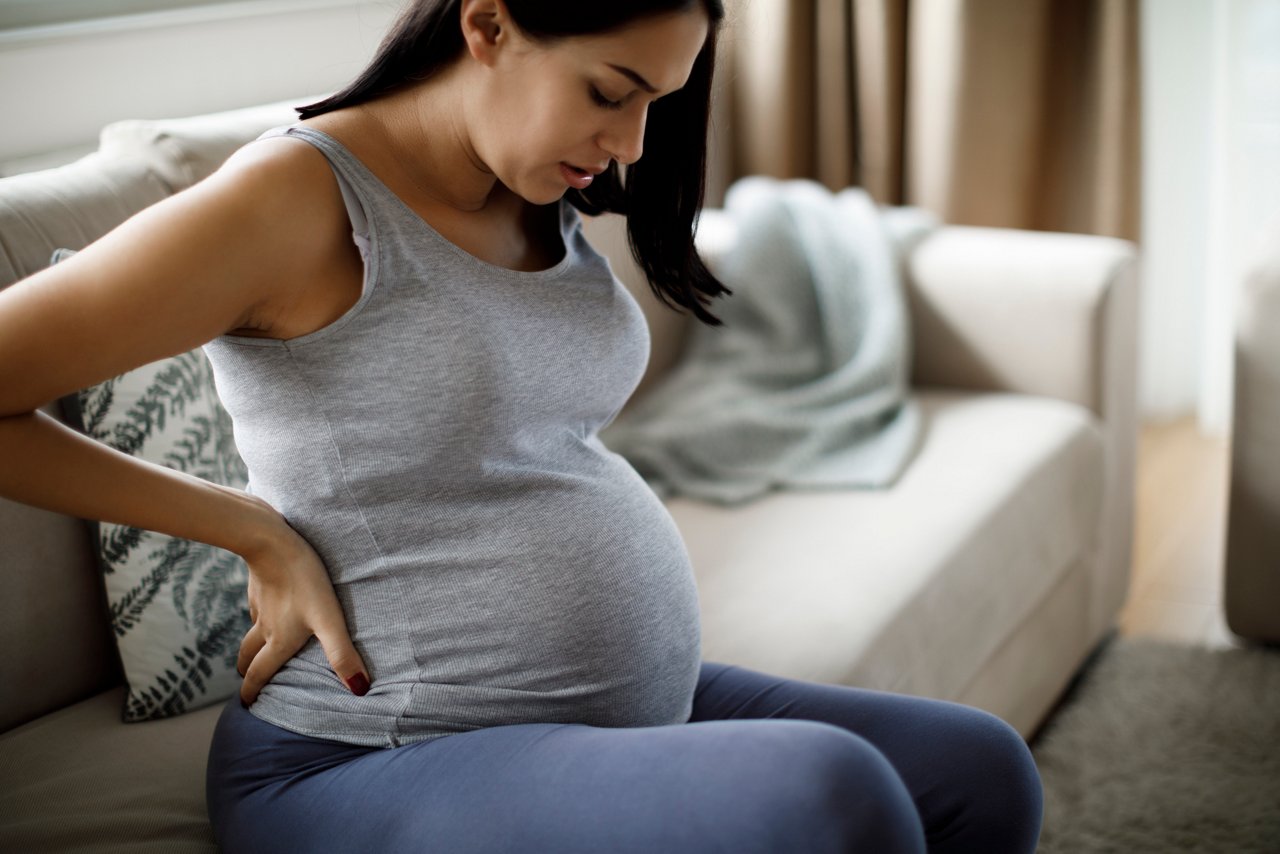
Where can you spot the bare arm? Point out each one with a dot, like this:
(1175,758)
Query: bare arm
(46,464)
(175,275)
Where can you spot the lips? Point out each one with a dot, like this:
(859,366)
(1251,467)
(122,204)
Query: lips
(577,177)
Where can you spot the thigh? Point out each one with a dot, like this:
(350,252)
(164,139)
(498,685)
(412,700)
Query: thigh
(734,786)
(971,775)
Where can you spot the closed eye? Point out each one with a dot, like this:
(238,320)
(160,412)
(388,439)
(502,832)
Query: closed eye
(603,101)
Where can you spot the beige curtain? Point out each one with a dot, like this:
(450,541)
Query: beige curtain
(1015,113)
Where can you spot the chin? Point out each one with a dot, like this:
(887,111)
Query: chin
(547,197)
(541,195)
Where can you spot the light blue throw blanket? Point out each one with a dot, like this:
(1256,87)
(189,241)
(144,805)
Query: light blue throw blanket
(806,384)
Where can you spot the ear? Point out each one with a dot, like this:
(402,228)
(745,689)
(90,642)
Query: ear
(486,28)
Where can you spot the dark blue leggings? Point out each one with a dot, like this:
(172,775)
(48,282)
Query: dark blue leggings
(765,764)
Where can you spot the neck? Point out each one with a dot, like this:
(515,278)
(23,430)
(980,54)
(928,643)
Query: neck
(440,161)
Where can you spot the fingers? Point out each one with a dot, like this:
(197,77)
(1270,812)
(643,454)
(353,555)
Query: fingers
(253,641)
(257,663)
(269,659)
(344,659)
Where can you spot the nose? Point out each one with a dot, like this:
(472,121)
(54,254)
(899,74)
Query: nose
(623,139)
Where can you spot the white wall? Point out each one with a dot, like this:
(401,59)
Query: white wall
(1211,187)
(1177,75)
(60,84)
(1246,192)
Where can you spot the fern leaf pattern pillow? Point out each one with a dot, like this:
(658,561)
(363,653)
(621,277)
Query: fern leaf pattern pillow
(178,608)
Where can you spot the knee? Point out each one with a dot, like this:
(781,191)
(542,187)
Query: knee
(839,793)
(1004,797)
(1005,751)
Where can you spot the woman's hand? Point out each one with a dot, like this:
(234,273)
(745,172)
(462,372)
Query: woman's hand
(291,598)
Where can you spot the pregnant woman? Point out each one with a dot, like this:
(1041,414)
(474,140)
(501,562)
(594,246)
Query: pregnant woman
(475,628)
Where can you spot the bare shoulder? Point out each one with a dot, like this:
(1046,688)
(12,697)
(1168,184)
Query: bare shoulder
(288,181)
(295,196)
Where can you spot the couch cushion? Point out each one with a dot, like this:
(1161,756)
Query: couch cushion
(877,589)
(54,629)
(184,151)
(70,206)
(178,607)
(80,780)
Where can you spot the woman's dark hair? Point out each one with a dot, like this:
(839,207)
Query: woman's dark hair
(661,193)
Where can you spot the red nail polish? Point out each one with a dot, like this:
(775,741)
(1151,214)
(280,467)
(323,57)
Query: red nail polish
(359,684)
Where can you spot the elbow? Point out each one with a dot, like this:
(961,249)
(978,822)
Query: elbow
(19,399)
(21,409)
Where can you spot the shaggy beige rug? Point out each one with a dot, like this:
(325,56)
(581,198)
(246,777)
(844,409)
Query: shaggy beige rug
(1165,748)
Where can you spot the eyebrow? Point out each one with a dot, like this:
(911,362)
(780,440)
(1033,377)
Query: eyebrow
(635,78)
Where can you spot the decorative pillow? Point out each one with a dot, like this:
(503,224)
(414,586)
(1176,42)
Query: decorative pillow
(178,608)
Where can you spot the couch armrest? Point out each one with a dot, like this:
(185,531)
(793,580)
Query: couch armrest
(995,309)
(1046,314)
(1040,313)
(1023,311)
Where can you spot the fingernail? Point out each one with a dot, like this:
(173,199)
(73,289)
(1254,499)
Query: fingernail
(359,684)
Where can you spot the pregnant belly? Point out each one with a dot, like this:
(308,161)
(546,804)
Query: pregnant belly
(577,607)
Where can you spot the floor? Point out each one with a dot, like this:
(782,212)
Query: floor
(1176,589)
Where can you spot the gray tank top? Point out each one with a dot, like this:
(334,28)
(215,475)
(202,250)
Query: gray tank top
(497,564)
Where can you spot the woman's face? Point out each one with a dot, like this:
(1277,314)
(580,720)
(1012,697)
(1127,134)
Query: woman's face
(557,112)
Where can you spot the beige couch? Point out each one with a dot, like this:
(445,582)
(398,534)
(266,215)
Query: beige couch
(986,575)
(1252,592)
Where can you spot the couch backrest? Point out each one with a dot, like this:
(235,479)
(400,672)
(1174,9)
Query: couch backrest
(53,619)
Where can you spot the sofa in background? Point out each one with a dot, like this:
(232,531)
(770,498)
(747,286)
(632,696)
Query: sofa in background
(986,575)
(1252,569)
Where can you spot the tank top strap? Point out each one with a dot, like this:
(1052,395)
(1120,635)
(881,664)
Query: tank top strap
(357,184)
(372,204)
